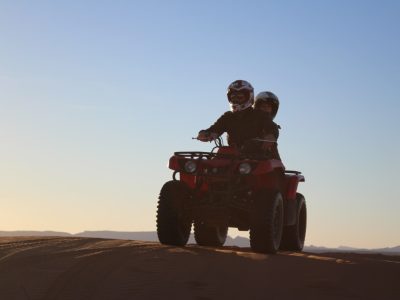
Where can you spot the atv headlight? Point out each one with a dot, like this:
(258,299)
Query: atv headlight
(190,166)
(244,168)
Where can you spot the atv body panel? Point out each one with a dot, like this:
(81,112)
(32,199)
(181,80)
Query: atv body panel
(220,194)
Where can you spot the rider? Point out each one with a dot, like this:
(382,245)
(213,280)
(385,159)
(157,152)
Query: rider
(268,102)
(242,123)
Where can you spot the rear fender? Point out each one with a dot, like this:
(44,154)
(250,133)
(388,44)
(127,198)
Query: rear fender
(291,183)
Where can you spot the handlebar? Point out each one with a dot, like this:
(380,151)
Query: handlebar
(217,140)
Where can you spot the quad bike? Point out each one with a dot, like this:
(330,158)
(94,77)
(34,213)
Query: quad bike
(231,188)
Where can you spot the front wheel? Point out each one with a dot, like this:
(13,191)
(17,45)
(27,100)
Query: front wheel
(267,222)
(294,235)
(173,226)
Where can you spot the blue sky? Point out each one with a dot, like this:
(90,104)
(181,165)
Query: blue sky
(96,95)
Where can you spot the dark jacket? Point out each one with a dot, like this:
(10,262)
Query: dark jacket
(244,125)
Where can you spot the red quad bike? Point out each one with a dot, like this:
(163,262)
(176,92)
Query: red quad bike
(226,188)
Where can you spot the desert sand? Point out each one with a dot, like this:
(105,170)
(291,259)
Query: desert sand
(87,268)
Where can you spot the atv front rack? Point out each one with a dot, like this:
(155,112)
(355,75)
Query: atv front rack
(210,155)
(204,155)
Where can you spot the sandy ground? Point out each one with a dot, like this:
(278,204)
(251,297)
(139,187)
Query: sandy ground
(86,268)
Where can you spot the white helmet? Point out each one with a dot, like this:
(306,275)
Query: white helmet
(240,87)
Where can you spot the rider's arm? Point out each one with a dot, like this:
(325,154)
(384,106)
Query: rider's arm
(270,134)
(270,141)
(270,127)
(215,130)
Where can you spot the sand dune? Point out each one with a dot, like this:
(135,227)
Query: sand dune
(87,268)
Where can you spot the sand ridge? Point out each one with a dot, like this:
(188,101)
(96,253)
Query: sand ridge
(89,268)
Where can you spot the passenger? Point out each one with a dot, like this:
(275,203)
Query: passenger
(268,103)
(242,123)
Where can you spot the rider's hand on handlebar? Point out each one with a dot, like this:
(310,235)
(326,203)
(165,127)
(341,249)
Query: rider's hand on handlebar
(206,136)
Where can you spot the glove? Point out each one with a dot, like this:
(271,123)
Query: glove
(206,136)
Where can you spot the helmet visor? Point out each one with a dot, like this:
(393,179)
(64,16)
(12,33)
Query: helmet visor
(238,97)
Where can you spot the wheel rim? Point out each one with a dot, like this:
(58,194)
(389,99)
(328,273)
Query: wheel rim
(277,223)
(302,224)
(221,233)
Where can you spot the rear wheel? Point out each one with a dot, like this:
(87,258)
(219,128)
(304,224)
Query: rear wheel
(213,236)
(294,235)
(267,222)
(173,227)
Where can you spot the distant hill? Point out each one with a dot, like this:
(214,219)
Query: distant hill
(151,236)
(33,233)
(319,249)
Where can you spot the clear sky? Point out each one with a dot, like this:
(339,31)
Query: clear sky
(96,95)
